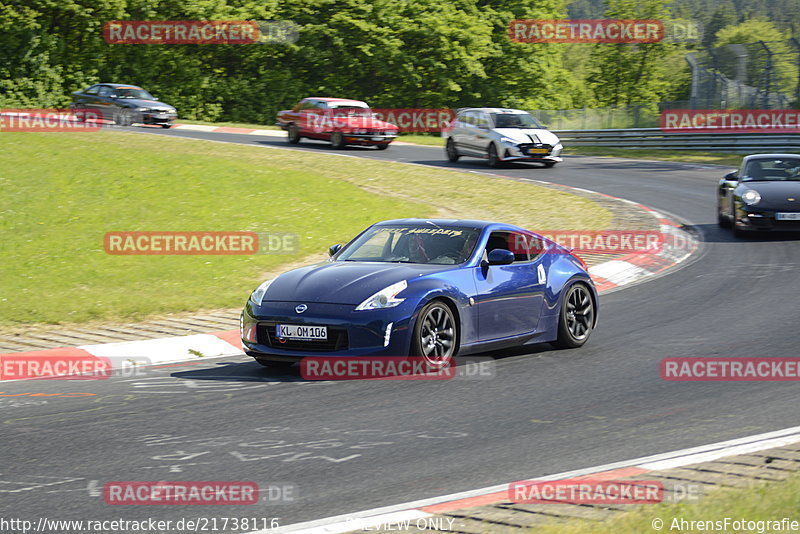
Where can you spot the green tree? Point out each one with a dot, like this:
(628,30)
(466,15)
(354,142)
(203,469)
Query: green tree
(724,15)
(626,74)
(771,59)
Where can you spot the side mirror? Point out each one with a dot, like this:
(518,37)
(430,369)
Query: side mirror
(732,176)
(501,256)
(334,249)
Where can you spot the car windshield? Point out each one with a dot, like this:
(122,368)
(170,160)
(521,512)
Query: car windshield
(514,120)
(431,244)
(133,92)
(772,170)
(351,111)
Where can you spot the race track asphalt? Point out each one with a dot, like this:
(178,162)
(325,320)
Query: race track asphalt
(350,446)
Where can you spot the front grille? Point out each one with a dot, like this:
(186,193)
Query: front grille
(786,225)
(337,340)
(769,222)
(525,148)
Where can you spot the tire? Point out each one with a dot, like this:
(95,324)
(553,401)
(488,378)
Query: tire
(293,134)
(166,126)
(549,164)
(737,232)
(79,115)
(276,366)
(722,220)
(491,155)
(123,118)
(382,146)
(435,335)
(337,140)
(572,331)
(451,150)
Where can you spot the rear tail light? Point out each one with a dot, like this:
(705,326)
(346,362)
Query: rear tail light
(580,260)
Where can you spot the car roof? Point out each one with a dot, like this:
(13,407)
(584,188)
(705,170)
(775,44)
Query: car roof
(770,156)
(126,85)
(329,99)
(494,110)
(468,223)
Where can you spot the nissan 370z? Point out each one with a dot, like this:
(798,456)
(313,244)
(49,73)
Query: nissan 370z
(428,288)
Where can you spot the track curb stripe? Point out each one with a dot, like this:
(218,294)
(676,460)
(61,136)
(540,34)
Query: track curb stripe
(499,493)
(607,276)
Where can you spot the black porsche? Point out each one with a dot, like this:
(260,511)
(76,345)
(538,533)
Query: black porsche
(123,105)
(764,194)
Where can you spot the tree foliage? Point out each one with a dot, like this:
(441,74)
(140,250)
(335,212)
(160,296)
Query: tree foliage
(392,53)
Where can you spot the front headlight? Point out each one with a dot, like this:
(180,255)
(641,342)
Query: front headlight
(385,298)
(258,294)
(142,110)
(508,141)
(751,197)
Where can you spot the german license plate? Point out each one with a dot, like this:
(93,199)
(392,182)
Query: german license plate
(298,331)
(538,150)
(787,216)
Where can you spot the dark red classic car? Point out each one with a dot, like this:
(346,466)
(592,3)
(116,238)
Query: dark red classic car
(339,120)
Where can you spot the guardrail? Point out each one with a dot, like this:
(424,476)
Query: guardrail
(654,138)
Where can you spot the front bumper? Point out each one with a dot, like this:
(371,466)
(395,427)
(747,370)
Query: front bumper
(368,139)
(151,117)
(350,332)
(532,152)
(763,219)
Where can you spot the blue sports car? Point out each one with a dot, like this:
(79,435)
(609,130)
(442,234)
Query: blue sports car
(429,288)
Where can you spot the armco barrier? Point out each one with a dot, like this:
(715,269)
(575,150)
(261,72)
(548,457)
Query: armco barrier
(655,138)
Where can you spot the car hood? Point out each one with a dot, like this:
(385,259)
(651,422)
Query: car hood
(343,282)
(363,122)
(529,135)
(140,103)
(775,195)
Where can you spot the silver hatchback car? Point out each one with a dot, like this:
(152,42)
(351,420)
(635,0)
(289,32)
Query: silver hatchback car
(499,135)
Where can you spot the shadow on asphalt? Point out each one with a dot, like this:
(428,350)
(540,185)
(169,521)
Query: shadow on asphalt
(255,372)
(712,233)
(467,163)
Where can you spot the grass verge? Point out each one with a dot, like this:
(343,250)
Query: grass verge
(420,139)
(230,124)
(682,156)
(766,502)
(63,191)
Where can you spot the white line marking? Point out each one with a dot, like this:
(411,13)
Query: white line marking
(619,272)
(167,349)
(677,458)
